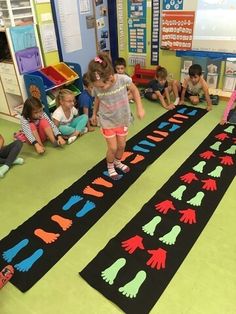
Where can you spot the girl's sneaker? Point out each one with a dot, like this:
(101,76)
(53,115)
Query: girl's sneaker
(5,275)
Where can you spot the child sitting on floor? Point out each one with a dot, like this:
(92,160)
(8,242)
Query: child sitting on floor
(120,67)
(158,89)
(230,111)
(66,116)
(193,86)
(37,127)
(8,155)
(85,101)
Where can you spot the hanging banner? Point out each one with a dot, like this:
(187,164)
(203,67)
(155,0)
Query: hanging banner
(177,30)
(137,26)
(155,32)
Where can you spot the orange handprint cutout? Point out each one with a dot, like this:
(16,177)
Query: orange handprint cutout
(172,120)
(47,237)
(101,181)
(126,155)
(164,134)
(155,139)
(137,159)
(64,223)
(91,191)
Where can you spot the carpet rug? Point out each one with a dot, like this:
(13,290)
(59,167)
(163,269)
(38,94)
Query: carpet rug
(136,265)
(36,245)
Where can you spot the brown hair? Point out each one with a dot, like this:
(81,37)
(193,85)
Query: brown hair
(161,72)
(62,94)
(30,104)
(85,80)
(100,68)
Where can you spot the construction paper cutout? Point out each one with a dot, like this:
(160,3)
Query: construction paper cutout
(174,127)
(105,173)
(138,158)
(189,177)
(138,148)
(101,181)
(192,113)
(216,146)
(180,116)
(91,191)
(162,125)
(165,206)
(209,185)
(197,199)
(47,237)
(155,139)
(221,136)
(131,289)
(216,173)
(13,251)
(74,199)
(226,160)
(230,129)
(126,155)
(208,154)
(170,237)
(172,120)
(231,150)
(200,166)
(158,259)
(132,244)
(110,273)
(182,110)
(150,227)
(64,223)
(188,216)
(27,263)
(86,208)
(179,192)
(162,133)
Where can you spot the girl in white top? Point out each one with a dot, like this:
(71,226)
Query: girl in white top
(66,116)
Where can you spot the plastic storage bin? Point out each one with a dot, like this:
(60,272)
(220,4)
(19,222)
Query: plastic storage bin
(66,71)
(48,84)
(28,60)
(53,75)
(74,89)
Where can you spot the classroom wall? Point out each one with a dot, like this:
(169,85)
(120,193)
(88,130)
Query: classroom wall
(49,58)
(166,58)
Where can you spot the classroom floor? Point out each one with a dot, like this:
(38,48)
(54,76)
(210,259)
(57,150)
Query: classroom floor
(204,284)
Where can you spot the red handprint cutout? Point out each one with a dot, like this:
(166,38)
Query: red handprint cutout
(189,177)
(207,154)
(132,244)
(188,216)
(209,185)
(158,259)
(226,160)
(221,136)
(164,206)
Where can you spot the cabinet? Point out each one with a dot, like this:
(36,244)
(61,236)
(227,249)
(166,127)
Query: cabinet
(12,82)
(46,83)
(16,12)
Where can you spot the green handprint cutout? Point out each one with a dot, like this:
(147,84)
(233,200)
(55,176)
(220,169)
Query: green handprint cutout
(199,167)
(171,236)
(131,289)
(110,273)
(231,150)
(197,199)
(216,173)
(179,192)
(216,146)
(150,227)
(229,129)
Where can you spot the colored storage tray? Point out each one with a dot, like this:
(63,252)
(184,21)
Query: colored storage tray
(48,84)
(53,75)
(74,89)
(66,71)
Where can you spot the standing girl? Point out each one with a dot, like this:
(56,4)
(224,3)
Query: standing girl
(112,106)
(230,111)
(37,127)
(66,116)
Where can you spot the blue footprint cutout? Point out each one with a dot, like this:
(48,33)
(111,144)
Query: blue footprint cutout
(105,173)
(87,208)
(162,125)
(145,142)
(182,110)
(9,254)
(174,127)
(192,113)
(27,263)
(72,201)
(137,148)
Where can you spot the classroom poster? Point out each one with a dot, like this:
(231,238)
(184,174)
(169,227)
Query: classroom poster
(137,26)
(177,30)
(173,4)
(120,23)
(155,28)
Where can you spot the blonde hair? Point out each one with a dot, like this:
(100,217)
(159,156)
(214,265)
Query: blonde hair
(62,94)
(100,68)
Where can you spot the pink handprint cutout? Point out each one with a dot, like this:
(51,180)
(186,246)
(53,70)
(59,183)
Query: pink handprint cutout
(165,206)
(207,154)
(158,259)
(132,244)
(209,185)
(221,136)
(189,177)
(226,160)
(188,216)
